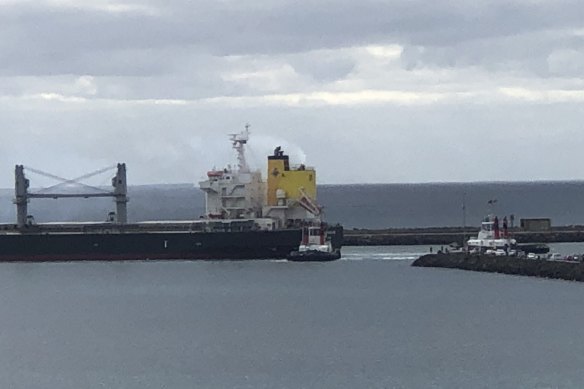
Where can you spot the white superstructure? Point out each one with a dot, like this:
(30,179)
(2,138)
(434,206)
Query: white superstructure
(491,238)
(288,196)
(314,239)
(234,193)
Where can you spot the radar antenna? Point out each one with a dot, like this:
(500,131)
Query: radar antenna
(239,141)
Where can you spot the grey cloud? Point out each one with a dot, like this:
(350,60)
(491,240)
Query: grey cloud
(45,42)
(323,66)
(536,53)
(566,62)
(60,40)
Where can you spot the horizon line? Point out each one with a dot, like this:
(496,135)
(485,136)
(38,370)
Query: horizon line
(482,182)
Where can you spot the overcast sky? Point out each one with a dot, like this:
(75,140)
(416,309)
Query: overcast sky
(366,91)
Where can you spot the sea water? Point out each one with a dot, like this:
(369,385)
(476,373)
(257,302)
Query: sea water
(354,206)
(369,320)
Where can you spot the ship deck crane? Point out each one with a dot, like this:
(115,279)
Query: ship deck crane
(23,196)
(309,204)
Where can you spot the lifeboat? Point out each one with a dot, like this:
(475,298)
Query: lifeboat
(214,173)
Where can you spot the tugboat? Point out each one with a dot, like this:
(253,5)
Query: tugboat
(490,240)
(315,247)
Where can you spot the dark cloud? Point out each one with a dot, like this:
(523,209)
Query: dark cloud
(44,39)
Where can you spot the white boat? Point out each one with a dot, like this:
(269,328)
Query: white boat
(315,247)
(491,238)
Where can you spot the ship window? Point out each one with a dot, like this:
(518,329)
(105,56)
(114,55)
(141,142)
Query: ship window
(310,177)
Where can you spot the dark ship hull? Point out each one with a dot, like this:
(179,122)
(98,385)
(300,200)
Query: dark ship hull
(313,256)
(148,246)
(151,245)
(535,248)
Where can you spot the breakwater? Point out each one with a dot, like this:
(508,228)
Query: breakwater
(447,235)
(572,271)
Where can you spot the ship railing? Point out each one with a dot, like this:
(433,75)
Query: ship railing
(301,167)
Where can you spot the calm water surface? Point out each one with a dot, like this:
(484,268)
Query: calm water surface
(369,320)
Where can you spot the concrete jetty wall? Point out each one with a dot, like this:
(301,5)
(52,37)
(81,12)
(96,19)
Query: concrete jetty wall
(573,271)
(447,235)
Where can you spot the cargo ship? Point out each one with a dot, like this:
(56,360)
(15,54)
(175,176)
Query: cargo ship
(246,217)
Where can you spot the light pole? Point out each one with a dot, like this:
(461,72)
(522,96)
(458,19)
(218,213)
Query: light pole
(464,220)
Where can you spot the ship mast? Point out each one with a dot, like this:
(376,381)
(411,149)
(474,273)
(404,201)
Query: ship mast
(239,141)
